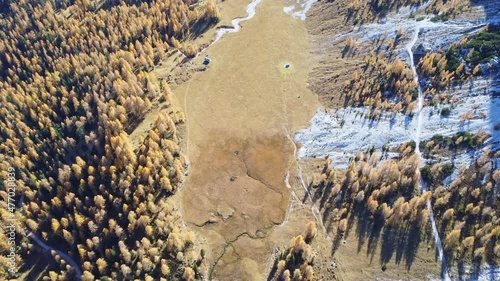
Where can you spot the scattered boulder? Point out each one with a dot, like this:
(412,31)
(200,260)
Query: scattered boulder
(225,211)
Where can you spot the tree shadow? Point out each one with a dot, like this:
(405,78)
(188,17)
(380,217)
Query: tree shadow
(325,195)
(272,273)
(199,27)
(388,246)
(308,192)
(362,228)
(402,242)
(413,243)
(374,237)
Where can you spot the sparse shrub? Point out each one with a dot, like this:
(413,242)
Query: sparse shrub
(441,17)
(447,170)
(445,111)
(427,174)
(189,274)
(190,50)
(310,231)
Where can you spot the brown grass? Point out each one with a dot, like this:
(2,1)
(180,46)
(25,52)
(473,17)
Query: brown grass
(331,69)
(237,111)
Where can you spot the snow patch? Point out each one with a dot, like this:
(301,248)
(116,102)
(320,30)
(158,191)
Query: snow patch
(438,34)
(300,9)
(340,134)
(485,273)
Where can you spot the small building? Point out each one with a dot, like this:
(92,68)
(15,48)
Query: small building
(421,51)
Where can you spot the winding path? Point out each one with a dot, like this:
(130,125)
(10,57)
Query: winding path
(300,179)
(47,248)
(423,186)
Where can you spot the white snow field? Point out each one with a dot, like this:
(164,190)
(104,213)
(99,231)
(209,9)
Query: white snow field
(326,136)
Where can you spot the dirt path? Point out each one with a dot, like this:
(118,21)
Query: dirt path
(238,115)
(47,248)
